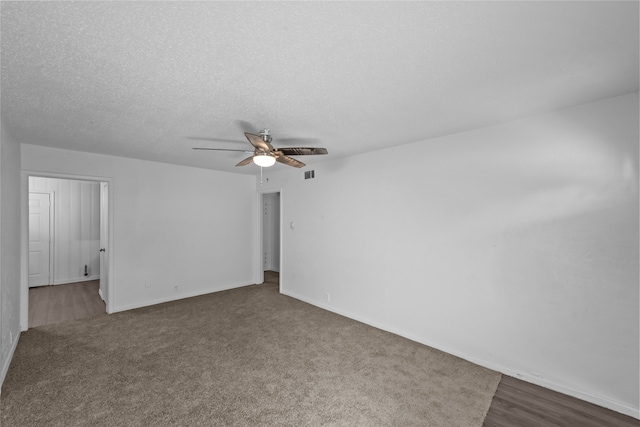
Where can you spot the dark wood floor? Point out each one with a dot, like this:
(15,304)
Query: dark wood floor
(58,303)
(515,404)
(518,403)
(271,278)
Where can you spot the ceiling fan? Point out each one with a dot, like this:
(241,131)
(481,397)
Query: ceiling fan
(265,155)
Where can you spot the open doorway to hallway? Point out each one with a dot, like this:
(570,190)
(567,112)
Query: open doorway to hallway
(269,237)
(66,235)
(271,232)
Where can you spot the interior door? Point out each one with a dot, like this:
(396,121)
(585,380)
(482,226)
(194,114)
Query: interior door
(104,239)
(39,239)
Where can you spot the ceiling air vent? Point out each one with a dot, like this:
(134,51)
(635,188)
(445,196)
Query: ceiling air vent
(309,174)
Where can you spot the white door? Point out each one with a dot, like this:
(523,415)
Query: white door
(104,240)
(39,239)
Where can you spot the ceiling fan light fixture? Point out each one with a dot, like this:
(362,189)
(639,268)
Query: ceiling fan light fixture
(264,160)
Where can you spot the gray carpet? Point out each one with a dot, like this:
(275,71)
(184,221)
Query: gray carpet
(244,357)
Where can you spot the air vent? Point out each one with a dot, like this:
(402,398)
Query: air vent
(309,174)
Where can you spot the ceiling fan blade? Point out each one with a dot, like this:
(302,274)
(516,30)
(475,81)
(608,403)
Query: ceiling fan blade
(290,161)
(256,141)
(235,141)
(221,149)
(245,161)
(302,151)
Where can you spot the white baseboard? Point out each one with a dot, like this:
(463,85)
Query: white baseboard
(596,400)
(100,294)
(7,363)
(176,297)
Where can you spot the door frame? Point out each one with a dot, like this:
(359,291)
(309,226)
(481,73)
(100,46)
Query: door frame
(105,248)
(259,234)
(52,232)
(24,230)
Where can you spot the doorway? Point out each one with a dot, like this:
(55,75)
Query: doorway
(271,232)
(74,222)
(79,225)
(269,248)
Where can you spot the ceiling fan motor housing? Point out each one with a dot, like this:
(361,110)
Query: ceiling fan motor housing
(265,134)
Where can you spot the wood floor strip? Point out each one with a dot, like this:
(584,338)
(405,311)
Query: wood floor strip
(59,303)
(518,403)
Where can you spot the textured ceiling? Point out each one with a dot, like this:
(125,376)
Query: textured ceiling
(136,79)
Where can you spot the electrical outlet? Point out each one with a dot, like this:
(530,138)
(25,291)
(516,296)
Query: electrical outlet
(328,297)
(147,283)
(175,288)
(10,337)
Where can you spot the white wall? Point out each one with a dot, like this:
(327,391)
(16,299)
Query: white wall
(172,225)
(9,249)
(514,246)
(76,228)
